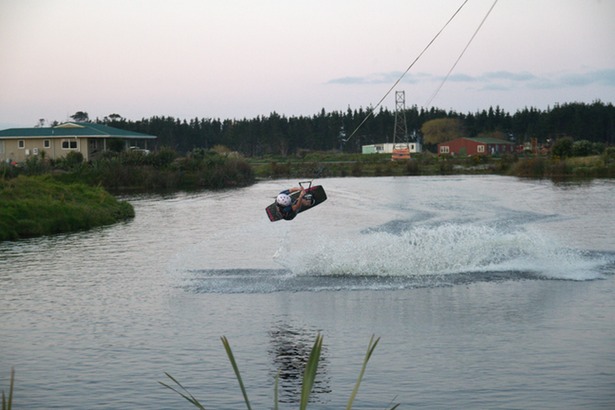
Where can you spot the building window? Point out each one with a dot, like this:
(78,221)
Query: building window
(69,144)
(480,148)
(21,144)
(444,149)
(46,144)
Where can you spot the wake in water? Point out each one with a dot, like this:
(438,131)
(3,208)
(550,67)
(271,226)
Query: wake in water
(423,256)
(444,250)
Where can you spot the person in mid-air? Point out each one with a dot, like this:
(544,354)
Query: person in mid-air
(288,206)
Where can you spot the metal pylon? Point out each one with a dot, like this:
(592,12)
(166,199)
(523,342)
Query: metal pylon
(400,134)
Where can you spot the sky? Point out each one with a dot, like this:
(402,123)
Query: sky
(236,59)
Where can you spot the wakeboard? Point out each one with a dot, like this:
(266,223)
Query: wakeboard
(317,192)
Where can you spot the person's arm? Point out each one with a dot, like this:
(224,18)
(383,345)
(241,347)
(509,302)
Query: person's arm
(297,205)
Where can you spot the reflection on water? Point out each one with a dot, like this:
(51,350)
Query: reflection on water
(290,350)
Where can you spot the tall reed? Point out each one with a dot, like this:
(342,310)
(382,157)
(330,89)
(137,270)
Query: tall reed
(7,402)
(309,377)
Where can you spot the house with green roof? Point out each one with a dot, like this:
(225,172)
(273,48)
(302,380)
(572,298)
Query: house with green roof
(90,139)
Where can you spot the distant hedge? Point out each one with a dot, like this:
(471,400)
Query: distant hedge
(132,171)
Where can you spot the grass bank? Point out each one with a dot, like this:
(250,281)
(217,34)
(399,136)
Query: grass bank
(594,166)
(321,165)
(41,205)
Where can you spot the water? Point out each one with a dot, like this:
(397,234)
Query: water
(487,292)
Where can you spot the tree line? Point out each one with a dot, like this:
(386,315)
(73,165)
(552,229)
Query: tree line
(281,135)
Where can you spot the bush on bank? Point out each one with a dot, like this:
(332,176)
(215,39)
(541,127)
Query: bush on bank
(136,171)
(596,166)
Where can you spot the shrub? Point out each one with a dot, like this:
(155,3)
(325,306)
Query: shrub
(34,165)
(559,168)
(279,170)
(582,148)
(598,148)
(529,167)
(70,161)
(197,154)
(221,149)
(563,147)
(162,158)
(357,169)
(445,165)
(134,158)
(506,162)
(8,171)
(412,168)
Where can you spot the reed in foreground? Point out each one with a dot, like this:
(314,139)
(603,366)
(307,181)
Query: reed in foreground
(7,402)
(309,376)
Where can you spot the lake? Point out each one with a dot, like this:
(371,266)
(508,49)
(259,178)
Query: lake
(486,292)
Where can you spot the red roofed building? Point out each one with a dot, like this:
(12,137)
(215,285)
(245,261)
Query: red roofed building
(475,146)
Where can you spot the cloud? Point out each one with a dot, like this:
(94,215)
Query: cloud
(507,75)
(460,78)
(375,78)
(601,77)
(381,78)
(494,80)
(496,87)
(378,78)
(544,83)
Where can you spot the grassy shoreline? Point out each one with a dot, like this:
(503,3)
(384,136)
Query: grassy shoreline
(40,205)
(374,165)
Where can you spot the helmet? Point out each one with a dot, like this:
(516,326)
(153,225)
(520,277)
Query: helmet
(283,200)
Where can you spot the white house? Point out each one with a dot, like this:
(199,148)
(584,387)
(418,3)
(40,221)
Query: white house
(387,148)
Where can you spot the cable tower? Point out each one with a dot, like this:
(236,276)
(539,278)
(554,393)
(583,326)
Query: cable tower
(400,134)
(401,146)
